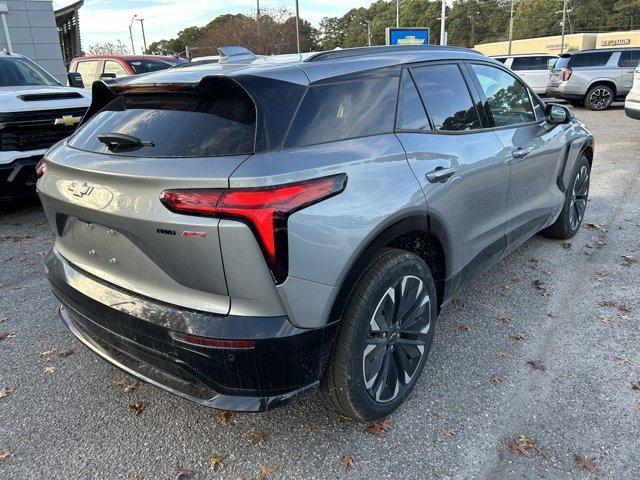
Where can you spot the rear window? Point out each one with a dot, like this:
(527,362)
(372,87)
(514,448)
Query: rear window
(345,110)
(629,59)
(591,59)
(563,62)
(178,124)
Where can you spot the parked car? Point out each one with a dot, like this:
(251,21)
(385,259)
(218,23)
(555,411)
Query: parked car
(594,78)
(632,102)
(534,69)
(36,111)
(92,68)
(248,233)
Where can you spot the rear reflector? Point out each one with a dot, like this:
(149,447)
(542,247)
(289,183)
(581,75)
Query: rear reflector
(41,167)
(265,209)
(214,342)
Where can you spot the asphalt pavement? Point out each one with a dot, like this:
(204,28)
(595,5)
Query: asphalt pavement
(534,372)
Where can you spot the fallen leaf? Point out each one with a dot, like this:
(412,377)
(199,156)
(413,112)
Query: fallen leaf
(624,309)
(6,335)
(551,315)
(215,461)
(534,263)
(448,432)
(593,226)
(379,428)
(183,473)
(464,328)
(46,353)
(223,416)
(137,407)
(584,463)
(566,245)
(542,288)
(602,273)
(537,365)
(5,454)
(635,385)
(521,445)
(257,438)
(4,319)
(65,352)
(504,319)
(501,355)
(346,462)
(495,378)
(127,385)
(49,369)
(638,407)
(628,261)
(312,426)
(266,471)
(622,360)
(517,336)
(4,391)
(606,319)
(456,302)
(607,303)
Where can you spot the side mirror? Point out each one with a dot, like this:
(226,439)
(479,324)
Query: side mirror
(108,75)
(557,114)
(75,80)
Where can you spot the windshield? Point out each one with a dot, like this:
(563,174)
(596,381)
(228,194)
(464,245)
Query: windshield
(146,66)
(20,72)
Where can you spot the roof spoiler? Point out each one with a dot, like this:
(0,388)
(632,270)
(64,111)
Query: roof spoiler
(234,54)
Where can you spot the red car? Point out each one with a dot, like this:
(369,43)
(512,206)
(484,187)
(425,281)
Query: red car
(93,67)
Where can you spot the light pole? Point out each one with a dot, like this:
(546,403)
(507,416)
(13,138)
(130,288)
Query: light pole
(511,27)
(133,48)
(397,13)
(564,19)
(443,17)
(144,39)
(297,27)
(368,32)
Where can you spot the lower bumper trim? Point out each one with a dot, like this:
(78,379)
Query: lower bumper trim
(632,113)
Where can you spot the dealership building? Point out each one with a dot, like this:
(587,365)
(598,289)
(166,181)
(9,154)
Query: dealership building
(573,42)
(32,29)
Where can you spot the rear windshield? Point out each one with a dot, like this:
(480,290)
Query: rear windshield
(174,124)
(146,66)
(563,62)
(591,59)
(344,110)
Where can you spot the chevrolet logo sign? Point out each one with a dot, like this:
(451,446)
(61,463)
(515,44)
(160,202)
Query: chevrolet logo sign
(67,120)
(80,189)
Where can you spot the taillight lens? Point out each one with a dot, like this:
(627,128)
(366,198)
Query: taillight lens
(265,209)
(566,74)
(41,167)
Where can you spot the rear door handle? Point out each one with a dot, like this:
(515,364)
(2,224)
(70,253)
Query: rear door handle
(521,152)
(440,174)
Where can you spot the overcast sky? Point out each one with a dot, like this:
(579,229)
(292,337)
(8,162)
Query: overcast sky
(108,20)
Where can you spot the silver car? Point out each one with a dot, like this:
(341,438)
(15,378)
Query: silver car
(246,233)
(534,69)
(594,78)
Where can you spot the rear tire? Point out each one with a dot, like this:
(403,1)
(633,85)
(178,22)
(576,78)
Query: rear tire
(599,97)
(384,338)
(575,203)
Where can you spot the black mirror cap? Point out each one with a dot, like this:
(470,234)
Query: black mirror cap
(108,76)
(75,80)
(558,114)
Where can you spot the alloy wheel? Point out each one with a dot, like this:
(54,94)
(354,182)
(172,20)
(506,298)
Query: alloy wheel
(600,98)
(579,197)
(397,339)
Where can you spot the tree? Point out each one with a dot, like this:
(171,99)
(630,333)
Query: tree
(108,48)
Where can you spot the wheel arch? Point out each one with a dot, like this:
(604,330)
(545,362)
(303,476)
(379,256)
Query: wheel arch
(579,146)
(603,81)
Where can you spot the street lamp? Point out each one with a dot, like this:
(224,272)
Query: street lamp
(144,39)
(133,48)
(511,27)
(298,27)
(397,13)
(368,32)
(443,17)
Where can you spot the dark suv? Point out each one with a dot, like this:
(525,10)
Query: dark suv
(245,233)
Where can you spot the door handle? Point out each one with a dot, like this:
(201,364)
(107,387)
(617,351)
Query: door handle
(521,152)
(440,174)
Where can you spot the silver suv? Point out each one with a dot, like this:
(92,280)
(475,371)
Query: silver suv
(245,233)
(594,78)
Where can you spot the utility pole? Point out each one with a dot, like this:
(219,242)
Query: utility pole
(443,16)
(257,9)
(144,39)
(368,32)
(298,27)
(398,13)
(511,27)
(133,47)
(564,19)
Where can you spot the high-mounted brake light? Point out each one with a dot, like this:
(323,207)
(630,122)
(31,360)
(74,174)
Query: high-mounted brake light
(41,167)
(265,209)
(566,74)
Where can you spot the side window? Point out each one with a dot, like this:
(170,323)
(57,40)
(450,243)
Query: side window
(338,111)
(532,63)
(501,59)
(508,101)
(411,114)
(591,59)
(629,58)
(447,97)
(88,70)
(111,66)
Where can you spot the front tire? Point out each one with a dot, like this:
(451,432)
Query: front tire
(575,203)
(599,97)
(384,338)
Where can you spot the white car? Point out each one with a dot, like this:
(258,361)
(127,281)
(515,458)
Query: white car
(632,102)
(36,111)
(534,69)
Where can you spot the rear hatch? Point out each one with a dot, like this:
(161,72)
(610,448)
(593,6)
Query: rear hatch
(555,75)
(101,191)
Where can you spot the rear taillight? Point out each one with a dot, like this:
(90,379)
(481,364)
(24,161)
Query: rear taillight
(265,209)
(566,74)
(41,167)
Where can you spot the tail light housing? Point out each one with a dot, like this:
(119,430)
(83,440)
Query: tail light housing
(566,74)
(264,209)
(41,167)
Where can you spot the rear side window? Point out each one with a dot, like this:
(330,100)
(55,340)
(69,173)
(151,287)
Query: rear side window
(508,101)
(88,70)
(630,58)
(541,62)
(178,124)
(345,110)
(411,114)
(447,97)
(591,59)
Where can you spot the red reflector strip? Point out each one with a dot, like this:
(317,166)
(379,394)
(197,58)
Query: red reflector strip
(41,167)
(214,342)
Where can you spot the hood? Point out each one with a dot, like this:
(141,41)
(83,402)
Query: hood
(42,97)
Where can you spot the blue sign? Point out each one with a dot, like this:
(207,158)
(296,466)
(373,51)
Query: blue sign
(407,36)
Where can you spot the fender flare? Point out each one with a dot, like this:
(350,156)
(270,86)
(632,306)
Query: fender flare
(572,153)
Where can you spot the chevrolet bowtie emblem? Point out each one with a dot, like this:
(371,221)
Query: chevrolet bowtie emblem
(67,120)
(80,189)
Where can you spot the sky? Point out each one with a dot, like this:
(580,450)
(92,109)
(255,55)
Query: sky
(108,20)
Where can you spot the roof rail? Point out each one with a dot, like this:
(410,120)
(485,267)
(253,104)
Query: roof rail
(233,54)
(362,51)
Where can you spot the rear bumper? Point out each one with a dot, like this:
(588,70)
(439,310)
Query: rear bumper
(138,335)
(632,106)
(18,178)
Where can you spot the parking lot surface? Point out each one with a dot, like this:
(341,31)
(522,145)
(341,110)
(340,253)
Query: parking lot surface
(534,372)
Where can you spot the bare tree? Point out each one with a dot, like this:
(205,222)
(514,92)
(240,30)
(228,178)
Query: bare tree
(108,48)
